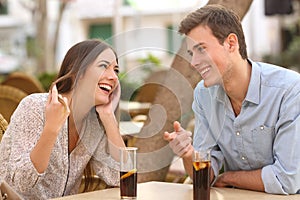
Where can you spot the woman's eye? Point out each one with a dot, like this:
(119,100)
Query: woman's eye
(103,65)
(117,71)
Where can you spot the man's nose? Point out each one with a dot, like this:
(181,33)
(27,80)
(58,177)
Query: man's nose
(194,61)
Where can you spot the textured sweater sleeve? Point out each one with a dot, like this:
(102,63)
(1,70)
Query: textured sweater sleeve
(25,127)
(96,141)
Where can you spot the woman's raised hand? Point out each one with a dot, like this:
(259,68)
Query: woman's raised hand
(103,110)
(57,109)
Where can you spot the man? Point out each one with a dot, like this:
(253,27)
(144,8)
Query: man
(246,113)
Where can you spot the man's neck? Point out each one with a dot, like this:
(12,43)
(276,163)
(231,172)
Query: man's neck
(236,89)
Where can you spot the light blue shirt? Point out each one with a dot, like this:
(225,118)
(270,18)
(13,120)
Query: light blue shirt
(266,133)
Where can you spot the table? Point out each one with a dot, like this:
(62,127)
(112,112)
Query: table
(135,108)
(175,191)
(130,127)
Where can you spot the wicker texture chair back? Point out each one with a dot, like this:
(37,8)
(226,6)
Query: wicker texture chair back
(10,98)
(3,126)
(24,82)
(147,92)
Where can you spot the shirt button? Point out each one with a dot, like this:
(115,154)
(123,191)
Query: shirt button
(262,127)
(237,133)
(243,158)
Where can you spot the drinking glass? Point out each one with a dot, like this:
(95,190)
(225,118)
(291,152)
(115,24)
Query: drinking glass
(128,173)
(201,175)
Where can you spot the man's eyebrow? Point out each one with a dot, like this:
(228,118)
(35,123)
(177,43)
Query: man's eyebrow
(197,45)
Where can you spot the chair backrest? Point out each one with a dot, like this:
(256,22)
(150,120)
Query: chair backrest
(24,82)
(10,98)
(147,92)
(3,126)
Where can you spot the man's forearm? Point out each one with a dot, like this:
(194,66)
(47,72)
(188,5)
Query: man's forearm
(250,180)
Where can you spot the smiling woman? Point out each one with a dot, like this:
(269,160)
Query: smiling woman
(57,135)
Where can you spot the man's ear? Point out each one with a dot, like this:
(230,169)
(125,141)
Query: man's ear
(232,41)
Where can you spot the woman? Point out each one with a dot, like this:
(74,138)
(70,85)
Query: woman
(52,137)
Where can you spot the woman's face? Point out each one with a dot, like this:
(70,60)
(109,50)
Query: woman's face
(100,79)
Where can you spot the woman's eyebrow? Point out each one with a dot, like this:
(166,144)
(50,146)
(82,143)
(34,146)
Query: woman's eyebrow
(105,61)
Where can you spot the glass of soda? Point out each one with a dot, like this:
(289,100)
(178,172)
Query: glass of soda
(128,173)
(201,175)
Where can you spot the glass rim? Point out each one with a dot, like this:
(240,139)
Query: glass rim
(129,148)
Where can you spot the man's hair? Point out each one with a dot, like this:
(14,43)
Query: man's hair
(220,20)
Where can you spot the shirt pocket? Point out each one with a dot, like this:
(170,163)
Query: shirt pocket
(263,138)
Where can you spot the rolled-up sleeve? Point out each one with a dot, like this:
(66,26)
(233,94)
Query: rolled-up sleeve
(104,165)
(283,176)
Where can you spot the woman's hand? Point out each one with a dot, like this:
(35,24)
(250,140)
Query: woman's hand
(104,110)
(57,110)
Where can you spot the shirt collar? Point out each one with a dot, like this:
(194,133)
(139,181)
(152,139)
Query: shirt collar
(253,94)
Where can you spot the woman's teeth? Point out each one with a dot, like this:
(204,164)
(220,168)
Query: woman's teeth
(105,87)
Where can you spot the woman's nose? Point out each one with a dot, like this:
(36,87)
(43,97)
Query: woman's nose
(111,74)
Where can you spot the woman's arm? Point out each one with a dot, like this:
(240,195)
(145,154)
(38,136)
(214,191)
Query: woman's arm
(110,123)
(56,114)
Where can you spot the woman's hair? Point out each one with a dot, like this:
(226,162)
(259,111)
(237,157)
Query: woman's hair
(78,58)
(220,20)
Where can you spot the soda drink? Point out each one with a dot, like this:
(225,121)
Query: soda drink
(128,184)
(201,180)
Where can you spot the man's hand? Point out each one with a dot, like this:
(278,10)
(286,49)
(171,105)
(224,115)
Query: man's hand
(179,140)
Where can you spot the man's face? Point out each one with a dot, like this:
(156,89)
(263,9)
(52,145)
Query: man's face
(209,57)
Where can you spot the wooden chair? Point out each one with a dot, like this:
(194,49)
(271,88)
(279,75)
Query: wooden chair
(3,126)
(10,98)
(24,82)
(147,92)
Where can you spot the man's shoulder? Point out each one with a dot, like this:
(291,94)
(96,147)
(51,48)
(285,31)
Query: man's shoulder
(203,92)
(277,76)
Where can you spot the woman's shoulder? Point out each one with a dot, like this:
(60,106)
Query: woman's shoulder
(36,101)
(36,98)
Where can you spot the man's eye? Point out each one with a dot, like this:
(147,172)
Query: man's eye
(190,53)
(200,49)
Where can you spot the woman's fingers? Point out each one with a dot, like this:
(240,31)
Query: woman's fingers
(54,94)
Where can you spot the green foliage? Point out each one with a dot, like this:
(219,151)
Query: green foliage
(128,88)
(46,79)
(149,62)
(288,58)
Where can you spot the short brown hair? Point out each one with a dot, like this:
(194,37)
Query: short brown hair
(220,20)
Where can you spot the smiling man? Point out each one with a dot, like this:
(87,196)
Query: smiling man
(246,113)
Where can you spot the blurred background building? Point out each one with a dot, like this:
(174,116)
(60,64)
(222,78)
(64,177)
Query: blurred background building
(140,30)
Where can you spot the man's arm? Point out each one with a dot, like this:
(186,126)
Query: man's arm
(250,180)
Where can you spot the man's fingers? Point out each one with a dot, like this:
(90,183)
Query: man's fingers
(177,126)
(169,136)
